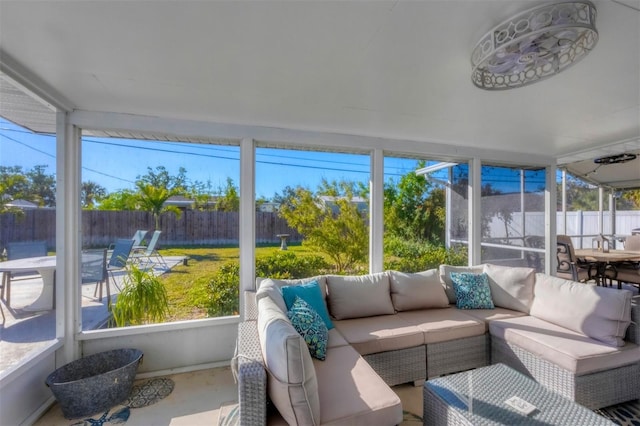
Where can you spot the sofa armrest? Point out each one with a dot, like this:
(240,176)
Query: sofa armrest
(633,332)
(250,305)
(251,376)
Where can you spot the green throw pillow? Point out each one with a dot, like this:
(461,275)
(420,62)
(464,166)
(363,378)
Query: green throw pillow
(310,293)
(472,290)
(310,326)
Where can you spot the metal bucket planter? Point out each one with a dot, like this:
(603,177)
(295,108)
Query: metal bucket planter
(95,383)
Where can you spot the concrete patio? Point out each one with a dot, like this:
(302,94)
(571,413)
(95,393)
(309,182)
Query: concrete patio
(23,332)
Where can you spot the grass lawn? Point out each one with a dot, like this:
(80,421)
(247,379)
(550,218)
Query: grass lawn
(187,285)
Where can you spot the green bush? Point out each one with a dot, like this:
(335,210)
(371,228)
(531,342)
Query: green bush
(224,286)
(414,256)
(287,265)
(142,300)
(223,291)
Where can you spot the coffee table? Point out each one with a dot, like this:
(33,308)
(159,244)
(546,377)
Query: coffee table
(477,397)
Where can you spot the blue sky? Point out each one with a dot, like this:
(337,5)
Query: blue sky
(115,163)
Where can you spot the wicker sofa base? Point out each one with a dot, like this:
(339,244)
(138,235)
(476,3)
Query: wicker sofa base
(470,352)
(596,390)
(400,366)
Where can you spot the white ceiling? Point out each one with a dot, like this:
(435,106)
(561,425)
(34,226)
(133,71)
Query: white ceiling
(396,69)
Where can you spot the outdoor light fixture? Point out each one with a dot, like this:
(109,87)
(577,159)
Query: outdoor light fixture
(534,44)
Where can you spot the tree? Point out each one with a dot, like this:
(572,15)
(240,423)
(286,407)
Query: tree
(42,186)
(90,193)
(414,208)
(156,187)
(124,199)
(34,185)
(339,230)
(228,200)
(153,199)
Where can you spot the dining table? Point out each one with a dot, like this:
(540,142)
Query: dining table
(46,267)
(606,261)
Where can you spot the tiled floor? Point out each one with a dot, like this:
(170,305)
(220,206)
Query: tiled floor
(197,399)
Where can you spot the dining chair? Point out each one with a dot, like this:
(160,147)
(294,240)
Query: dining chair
(20,250)
(94,269)
(629,272)
(569,266)
(118,260)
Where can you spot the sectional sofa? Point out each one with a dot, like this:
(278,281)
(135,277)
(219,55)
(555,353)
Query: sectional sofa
(392,327)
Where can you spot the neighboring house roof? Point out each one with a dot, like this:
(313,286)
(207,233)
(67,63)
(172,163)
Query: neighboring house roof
(21,204)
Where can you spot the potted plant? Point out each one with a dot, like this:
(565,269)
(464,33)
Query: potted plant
(142,300)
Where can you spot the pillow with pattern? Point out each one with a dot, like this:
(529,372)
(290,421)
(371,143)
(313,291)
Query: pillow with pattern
(472,290)
(311,327)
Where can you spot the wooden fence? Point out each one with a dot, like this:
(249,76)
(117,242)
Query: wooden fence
(101,228)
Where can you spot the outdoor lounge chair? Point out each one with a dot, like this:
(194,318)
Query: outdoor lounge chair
(149,255)
(137,238)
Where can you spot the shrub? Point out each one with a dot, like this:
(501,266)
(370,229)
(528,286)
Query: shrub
(225,284)
(143,299)
(414,256)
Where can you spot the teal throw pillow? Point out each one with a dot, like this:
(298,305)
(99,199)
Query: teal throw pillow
(310,293)
(310,326)
(472,290)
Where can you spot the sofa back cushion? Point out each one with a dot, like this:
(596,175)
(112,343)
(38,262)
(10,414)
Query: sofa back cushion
(598,312)
(273,288)
(445,278)
(357,296)
(511,287)
(311,294)
(292,382)
(417,291)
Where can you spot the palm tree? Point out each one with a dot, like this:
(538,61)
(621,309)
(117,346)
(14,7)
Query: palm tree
(153,199)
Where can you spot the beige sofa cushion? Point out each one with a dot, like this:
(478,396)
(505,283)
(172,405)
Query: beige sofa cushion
(511,287)
(357,296)
(351,393)
(598,312)
(443,325)
(336,339)
(382,333)
(445,277)
(271,287)
(417,291)
(565,348)
(488,315)
(292,383)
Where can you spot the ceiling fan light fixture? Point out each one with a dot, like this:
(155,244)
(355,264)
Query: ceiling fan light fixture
(534,45)
(615,159)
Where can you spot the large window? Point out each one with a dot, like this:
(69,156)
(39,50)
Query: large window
(179,203)
(311,212)
(27,234)
(513,216)
(417,215)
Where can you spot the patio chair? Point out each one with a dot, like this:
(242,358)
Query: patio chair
(117,261)
(94,269)
(20,250)
(149,255)
(569,266)
(137,238)
(629,272)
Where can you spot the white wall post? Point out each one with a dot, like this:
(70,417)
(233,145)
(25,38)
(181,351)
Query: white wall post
(376,212)
(247,218)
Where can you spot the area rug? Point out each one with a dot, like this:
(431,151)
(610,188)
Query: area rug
(142,395)
(627,414)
